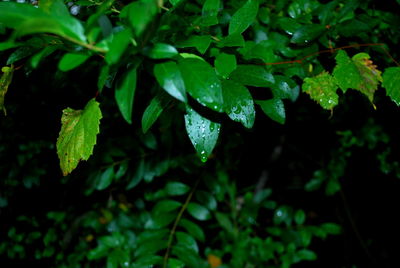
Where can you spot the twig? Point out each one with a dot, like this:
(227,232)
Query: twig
(178,218)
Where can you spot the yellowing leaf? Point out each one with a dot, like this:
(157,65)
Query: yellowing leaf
(78,135)
(322,88)
(214,261)
(5,81)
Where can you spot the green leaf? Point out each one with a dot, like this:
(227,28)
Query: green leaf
(160,51)
(209,12)
(307,255)
(200,42)
(20,53)
(5,81)
(187,241)
(153,111)
(299,216)
(149,248)
(391,82)
(243,17)
(358,73)
(118,46)
(232,40)
(285,88)
(193,229)
(239,103)
(202,83)
(202,132)
(198,212)
(139,14)
(225,222)
(176,188)
(105,179)
(307,33)
(189,257)
(78,135)
(274,108)
(35,60)
(207,199)
(252,75)
(166,206)
(331,228)
(27,19)
(71,60)
(170,79)
(148,261)
(322,88)
(225,64)
(125,93)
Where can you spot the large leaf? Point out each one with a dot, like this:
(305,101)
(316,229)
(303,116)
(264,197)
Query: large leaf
(49,18)
(391,82)
(322,88)
(252,75)
(202,132)
(202,83)
(357,73)
(274,108)
(170,79)
(118,46)
(238,102)
(5,81)
(125,94)
(78,135)
(243,17)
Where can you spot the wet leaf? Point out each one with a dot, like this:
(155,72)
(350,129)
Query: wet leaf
(274,109)
(243,17)
(202,83)
(322,88)
(202,132)
(225,64)
(307,33)
(170,79)
(252,75)
(391,82)
(239,103)
(78,135)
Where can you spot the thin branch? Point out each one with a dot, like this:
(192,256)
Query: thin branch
(178,218)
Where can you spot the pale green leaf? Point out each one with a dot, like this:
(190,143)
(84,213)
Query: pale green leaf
(202,83)
(238,103)
(78,135)
(71,60)
(125,93)
(202,132)
(170,79)
(322,88)
(243,17)
(391,82)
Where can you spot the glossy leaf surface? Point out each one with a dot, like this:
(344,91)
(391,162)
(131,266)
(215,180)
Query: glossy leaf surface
(169,77)
(274,108)
(243,17)
(391,82)
(322,88)
(125,94)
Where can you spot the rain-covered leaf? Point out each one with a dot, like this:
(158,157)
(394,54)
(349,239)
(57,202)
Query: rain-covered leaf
(202,132)
(357,73)
(71,60)
(252,75)
(5,81)
(243,17)
(225,64)
(202,83)
(238,103)
(198,212)
(322,88)
(78,135)
(391,82)
(170,79)
(274,108)
(125,94)
(160,51)
(307,33)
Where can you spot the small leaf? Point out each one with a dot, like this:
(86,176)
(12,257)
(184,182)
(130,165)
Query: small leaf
(391,82)
(187,241)
(193,229)
(200,42)
(307,255)
(166,206)
(119,44)
(202,83)
(35,60)
(153,111)
(170,79)
(243,17)
(225,64)
(299,216)
(209,12)
(207,199)
(285,88)
(322,88)
(71,60)
(274,108)
(232,40)
(176,188)
(198,212)
(105,179)
(239,103)
(189,257)
(78,135)
(160,51)
(5,81)
(202,132)
(225,222)
(125,93)
(252,75)
(307,33)
(139,14)
(331,228)
(20,53)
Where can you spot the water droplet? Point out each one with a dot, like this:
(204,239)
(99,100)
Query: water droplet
(203,156)
(126,264)
(215,107)
(279,213)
